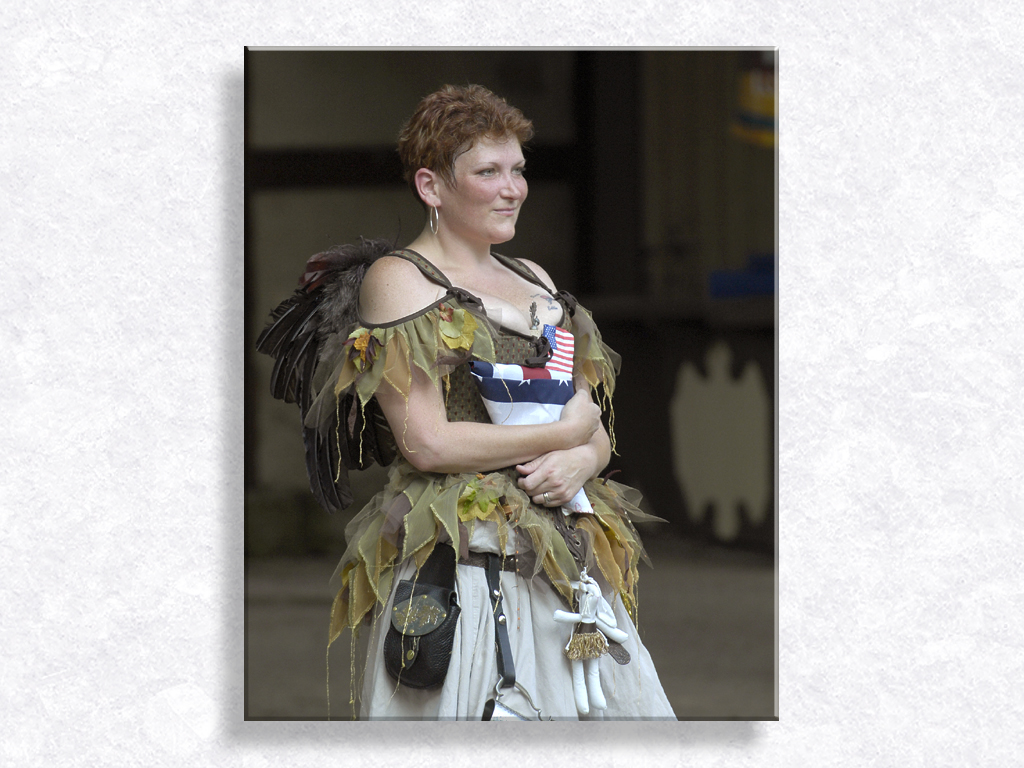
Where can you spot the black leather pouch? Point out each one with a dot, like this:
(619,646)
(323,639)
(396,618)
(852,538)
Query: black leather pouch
(425,612)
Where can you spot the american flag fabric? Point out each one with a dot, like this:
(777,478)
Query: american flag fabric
(562,344)
(514,394)
(517,394)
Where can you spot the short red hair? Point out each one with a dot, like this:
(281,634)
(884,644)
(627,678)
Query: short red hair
(447,123)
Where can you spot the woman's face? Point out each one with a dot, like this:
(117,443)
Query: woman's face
(490,189)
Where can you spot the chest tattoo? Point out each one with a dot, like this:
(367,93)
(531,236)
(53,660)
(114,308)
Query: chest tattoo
(552,304)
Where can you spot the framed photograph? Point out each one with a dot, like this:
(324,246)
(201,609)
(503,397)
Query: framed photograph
(640,187)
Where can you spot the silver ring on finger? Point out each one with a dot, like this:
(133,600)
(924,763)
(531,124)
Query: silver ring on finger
(547,499)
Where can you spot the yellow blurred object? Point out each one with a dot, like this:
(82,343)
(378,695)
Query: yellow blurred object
(755,119)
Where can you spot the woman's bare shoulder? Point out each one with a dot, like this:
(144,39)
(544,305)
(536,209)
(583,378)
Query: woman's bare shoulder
(394,288)
(540,272)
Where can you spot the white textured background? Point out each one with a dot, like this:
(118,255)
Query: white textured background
(900,489)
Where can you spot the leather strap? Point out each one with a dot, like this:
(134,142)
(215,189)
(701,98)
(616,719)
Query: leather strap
(573,536)
(429,270)
(521,269)
(432,273)
(479,560)
(502,644)
(439,569)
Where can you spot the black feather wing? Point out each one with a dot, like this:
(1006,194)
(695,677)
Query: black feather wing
(322,305)
(292,340)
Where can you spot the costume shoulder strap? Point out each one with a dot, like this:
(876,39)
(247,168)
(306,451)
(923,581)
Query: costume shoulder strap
(429,270)
(522,270)
(566,299)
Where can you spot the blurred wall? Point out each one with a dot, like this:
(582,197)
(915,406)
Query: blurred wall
(638,192)
(709,198)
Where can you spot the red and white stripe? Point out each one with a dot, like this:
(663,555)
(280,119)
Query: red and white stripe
(562,350)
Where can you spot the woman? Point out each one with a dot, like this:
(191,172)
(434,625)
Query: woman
(492,492)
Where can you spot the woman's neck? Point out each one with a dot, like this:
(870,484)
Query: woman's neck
(449,252)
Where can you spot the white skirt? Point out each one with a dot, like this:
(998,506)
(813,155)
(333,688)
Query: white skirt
(632,690)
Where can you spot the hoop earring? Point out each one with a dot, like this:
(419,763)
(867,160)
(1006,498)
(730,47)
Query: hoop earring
(433,222)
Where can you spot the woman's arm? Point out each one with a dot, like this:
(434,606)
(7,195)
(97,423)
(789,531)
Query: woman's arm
(562,473)
(431,443)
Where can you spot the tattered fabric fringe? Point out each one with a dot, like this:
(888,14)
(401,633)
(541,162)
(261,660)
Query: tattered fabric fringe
(586,645)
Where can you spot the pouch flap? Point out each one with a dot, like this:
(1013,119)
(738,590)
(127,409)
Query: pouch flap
(418,615)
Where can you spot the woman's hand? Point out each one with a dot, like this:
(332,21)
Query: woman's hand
(582,416)
(559,474)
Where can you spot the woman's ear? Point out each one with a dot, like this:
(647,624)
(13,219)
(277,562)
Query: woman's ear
(427,183)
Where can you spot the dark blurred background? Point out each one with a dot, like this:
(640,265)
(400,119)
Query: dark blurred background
(652,199)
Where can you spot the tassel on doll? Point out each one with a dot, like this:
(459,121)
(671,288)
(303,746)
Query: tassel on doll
(595,624)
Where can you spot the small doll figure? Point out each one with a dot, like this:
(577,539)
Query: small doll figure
(595,623)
